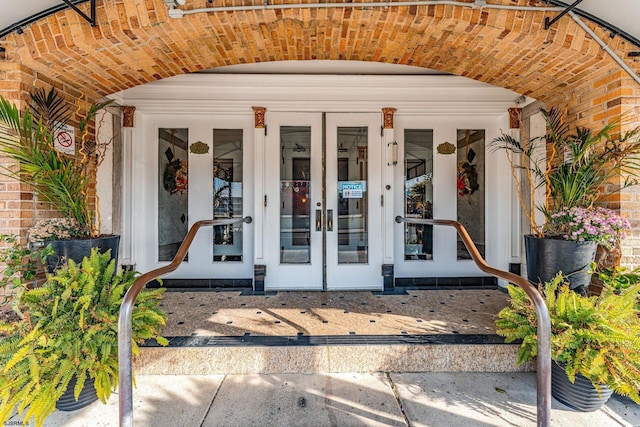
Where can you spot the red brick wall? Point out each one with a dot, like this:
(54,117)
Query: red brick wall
(16,200)
(602,98)
(19,207)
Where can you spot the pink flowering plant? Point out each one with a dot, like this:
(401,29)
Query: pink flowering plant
(600,225)
(575,172)
(56,229)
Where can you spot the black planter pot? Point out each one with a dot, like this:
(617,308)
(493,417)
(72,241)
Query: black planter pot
(547,257)
(78,249)
(580,395)
(87,396)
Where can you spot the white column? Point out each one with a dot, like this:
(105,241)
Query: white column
(389,171)
(126,240)
(259,188)
(515,229)
(104,178)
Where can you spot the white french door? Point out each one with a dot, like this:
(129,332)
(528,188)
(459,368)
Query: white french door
(323,218)
(293,200)
(447,171)
(192,169)
(353,194)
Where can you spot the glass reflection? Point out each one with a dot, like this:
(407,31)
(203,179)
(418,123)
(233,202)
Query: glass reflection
(173,195)
(471,188)
(352,224)
(295,188)
(227,193)
(418,190)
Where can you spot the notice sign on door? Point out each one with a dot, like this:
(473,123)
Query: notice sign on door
(64,139)
(352,190)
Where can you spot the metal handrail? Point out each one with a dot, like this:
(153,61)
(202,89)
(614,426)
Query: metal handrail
(543,374)
(125,377)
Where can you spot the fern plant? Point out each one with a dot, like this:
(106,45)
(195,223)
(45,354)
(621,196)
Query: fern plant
(598,336)
(618,278)
(69,328)
(21,266)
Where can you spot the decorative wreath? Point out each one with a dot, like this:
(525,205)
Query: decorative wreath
(467,182)
(175,175)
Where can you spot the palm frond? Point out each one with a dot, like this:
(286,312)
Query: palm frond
(50,107)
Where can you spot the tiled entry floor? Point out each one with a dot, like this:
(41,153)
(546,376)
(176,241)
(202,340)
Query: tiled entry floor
(418,312)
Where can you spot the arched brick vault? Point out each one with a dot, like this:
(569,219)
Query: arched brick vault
(135,42)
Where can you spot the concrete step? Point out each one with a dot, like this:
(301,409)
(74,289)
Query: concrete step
(330,354)
(230,332)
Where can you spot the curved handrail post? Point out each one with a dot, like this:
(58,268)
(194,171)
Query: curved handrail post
(543,374)
(125,375)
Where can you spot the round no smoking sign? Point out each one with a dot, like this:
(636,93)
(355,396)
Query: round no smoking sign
(64,139)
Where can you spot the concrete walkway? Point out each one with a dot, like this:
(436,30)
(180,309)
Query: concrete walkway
(377,399)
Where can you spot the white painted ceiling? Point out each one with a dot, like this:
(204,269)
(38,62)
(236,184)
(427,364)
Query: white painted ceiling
(623,14)
(322,67)
(12,11)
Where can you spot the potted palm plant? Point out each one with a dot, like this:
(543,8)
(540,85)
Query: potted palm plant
(63,349)
(62,179)
(574,172)
(594,341)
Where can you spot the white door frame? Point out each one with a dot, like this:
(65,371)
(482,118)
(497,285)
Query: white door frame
(280,276)
(216,98)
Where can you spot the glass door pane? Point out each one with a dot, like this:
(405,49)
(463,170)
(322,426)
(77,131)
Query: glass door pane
(418,187)
(353,236)
(173,194)
(227,194)
(471,188)
(295,188)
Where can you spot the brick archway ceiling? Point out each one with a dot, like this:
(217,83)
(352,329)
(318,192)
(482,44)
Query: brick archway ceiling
(136,42)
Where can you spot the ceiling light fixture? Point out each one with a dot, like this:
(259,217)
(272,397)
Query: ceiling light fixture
(174,12)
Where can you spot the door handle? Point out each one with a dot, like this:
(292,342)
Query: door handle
(318,219)
(329,219)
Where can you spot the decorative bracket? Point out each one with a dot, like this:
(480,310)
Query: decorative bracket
(259,117)
(92,19)
(549,22)
(128,113)
(388,117)
(514,118)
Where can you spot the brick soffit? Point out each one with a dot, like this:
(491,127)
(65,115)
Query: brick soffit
(135,42)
